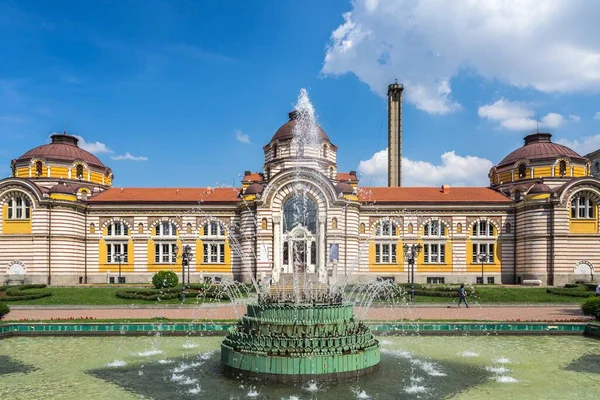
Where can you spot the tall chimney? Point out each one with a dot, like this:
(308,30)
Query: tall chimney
(395,134)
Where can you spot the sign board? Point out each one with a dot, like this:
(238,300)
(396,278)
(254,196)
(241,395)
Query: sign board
(583,267)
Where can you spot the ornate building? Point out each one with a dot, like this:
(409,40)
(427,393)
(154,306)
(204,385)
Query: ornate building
(63,222)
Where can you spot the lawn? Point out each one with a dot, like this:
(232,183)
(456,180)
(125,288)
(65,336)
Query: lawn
(483,294)
(93,296)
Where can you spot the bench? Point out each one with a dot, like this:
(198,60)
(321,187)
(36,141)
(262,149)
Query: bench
(14,280)
(532,282)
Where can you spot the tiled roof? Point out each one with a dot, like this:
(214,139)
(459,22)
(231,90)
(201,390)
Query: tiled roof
(167,195)
(345,176)
(63,148)
(538,146)
(286,131)
(430,195)
(256,177)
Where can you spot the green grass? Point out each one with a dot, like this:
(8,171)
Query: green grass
(483,294)
(94,296)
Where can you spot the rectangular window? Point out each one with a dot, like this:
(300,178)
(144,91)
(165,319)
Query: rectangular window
(11,205)
(486,249)
(475,250)
(108,253)
(19,208)
(214,253)
(393,254)
(157,253)
(442,254)
(165,253)
(490,280)
(434,253)
(377,253)
(222,253)
(435,280)
(385,253)
(205,255)
(286,254)
(116,251)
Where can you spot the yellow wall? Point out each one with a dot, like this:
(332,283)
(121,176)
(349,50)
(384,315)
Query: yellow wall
(59,172)
(114,268)
(505,176)
(155,267)
(578,172)
(487,267)
(22,172)
(95,177)
(14,226)
(542,172)
(581,226)
(216,268)
(390,268)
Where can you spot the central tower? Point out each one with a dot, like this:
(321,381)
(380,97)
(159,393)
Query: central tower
(395,134)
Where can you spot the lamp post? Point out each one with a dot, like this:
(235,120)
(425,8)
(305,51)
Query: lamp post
(119,257)
(482,257)
(186,257)
(410,254)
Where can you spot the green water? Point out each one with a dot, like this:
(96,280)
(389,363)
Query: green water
(463,367)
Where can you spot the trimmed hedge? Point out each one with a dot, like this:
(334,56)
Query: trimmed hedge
(18,293)
(592,307)
(165,279)
(4,309)
(436,293)
(575,292)
(149,294)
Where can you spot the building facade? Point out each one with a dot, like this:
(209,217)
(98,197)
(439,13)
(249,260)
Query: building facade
(64,223)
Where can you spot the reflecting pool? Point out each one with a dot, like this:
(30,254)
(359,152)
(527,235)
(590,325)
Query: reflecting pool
(412,367)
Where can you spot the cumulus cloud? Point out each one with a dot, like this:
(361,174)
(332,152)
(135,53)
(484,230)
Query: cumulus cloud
(93,147)
(128,156)
(426,43)
(574,118)
(584,145)
(241,136)
(516,116)
(597,115)
(454,170)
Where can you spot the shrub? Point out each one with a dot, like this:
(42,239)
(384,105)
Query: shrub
(592,307)
(165,279)
(21,292)
(433,293)
(145,295)
(570,292)
(4,309)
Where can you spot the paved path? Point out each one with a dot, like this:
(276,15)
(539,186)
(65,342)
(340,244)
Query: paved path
(558,313)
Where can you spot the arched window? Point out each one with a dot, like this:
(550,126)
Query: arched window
(331,173)
(522,171)
(166,228)
(386,227)
(483,228)
(435,228)
(117,228)
(334,223)
(140,228)
(264,224)
(92,228)
(582,206)
(274,150)
(562,168)
(214,228)
(508,227)
(300,210)
(39,168)
(19,207)
(188,228)
(79,171)
(410,228)
(361,228)
(268,173)
(13,166)
(459,228)
(324,150)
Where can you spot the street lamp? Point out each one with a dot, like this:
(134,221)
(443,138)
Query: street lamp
(119,257)
(410,254)
(482,257)
(186,257)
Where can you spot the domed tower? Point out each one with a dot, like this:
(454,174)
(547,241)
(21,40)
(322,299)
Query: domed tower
(288,149)
(539,159)
(61,161)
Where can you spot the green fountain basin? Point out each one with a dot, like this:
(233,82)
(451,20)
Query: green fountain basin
(300,342)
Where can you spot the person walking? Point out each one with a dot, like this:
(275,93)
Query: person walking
(598,290)
(462,296)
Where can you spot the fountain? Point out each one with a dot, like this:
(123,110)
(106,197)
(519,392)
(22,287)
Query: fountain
(301,329)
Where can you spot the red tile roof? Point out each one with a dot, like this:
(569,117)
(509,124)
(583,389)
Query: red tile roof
(167,195)
(63,148)
(345,176)
(430,195)
(255,177)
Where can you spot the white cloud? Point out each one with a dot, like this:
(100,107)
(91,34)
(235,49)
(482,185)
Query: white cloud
(241,136)
(424,44)
(516,116)
(93,147)
(584,145)
(574,118)
(597,115)
(128,156)
(454,170)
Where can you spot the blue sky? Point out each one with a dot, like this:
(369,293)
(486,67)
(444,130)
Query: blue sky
(176,84)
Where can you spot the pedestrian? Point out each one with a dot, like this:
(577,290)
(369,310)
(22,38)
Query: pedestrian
(462,296)
(598,290)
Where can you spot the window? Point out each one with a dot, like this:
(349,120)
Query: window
(324,151)
(583,206)
(522,171)
(562,168)
(386,228)
(435,228)
(114,251)
(300,210)
(117,229)
(213,228)
(214,253)
(483,228)
(410,228)
(490,280)
(268,173)
(188,229)
(39,168)
(92,228)
(334,223)
(19,207)
(385,253)
(483,248)
(459,228)
(166,229)
(274,150)
(435,280)
(264,224)
(508,227)
(361,228)
(434,253)
(286,255)
(165,253)
(79,171)
(140,228)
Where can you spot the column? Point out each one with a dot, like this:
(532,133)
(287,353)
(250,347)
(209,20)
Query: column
(276,247)
(322,251)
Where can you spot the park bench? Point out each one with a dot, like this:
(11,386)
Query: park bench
(14,280)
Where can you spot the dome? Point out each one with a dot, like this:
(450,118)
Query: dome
(254,188)
(63,148)
(287,130)
(538,146)
(539,188)
(62,188)
(344,188)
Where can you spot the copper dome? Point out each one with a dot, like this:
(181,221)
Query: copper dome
(286,131)
(538,146)
(62,188)
(63,148)
(254,188)
(539,187)
(344,188)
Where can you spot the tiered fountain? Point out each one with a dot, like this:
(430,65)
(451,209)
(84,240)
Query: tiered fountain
(301,329)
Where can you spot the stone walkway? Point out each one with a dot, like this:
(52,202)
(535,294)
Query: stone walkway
(550,313)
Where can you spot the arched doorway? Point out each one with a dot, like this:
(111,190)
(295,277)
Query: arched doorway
(300,236)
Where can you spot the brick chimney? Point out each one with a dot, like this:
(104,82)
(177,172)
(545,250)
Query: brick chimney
(445,189)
